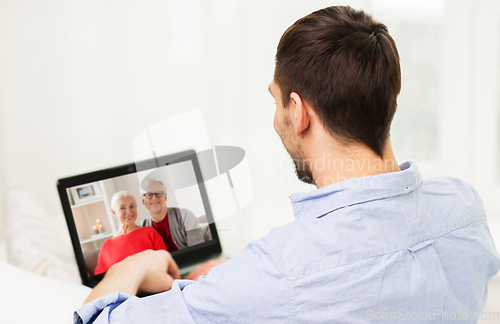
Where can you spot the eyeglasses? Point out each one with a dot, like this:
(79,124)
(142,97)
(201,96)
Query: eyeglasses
(150,195)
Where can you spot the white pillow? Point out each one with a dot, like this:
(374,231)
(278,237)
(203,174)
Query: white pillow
(34,241)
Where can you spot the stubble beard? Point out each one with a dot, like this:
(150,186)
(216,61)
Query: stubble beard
(302,165)
(302,168)
(156,210)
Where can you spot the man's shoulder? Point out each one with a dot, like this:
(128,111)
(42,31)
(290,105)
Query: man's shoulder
(443,183)
(447,182)
(455,195)
(380,227)
(182,212)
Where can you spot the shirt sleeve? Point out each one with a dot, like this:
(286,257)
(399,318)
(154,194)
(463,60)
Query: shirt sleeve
(251,287)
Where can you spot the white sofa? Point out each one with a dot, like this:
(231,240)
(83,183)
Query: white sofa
(27,297)
(40,280)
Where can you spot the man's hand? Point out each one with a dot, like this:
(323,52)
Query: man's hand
(204,269)
(147,271)
(158,269)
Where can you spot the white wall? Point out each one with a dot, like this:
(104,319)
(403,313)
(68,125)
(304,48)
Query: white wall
(2,188)
(80,79)
(469,118)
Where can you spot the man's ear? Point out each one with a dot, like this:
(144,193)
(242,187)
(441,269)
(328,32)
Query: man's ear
(142,199)
(302,117)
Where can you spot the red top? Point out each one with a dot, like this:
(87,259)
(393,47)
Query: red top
(164,229)
(118,248)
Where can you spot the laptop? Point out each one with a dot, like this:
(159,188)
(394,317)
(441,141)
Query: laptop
(86,199)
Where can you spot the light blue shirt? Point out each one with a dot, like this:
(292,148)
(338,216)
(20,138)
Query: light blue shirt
(389,247)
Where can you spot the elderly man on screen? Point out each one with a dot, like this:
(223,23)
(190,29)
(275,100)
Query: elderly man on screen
(178,227)
(375,242)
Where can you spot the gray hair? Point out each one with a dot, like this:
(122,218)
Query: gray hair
(147,181)
(119,195)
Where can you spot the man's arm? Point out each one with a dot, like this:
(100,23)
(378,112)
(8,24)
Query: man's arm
(148,271)
(249,287)
(204,269)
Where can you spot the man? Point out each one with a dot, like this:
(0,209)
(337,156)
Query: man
(178,227)
(374,242)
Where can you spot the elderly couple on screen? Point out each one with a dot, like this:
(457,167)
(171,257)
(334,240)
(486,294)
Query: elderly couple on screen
(166,228)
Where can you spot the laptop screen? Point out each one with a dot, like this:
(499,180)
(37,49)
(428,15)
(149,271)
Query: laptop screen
(120,211)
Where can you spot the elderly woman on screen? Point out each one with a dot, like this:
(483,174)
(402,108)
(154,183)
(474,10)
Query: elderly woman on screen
(130,238)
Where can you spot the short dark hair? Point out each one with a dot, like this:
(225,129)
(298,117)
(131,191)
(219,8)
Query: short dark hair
(346,66)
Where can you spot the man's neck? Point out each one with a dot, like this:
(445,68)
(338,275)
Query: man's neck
(339,165)
(158,217)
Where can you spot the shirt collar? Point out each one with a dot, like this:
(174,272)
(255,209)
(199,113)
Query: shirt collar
(350,192)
